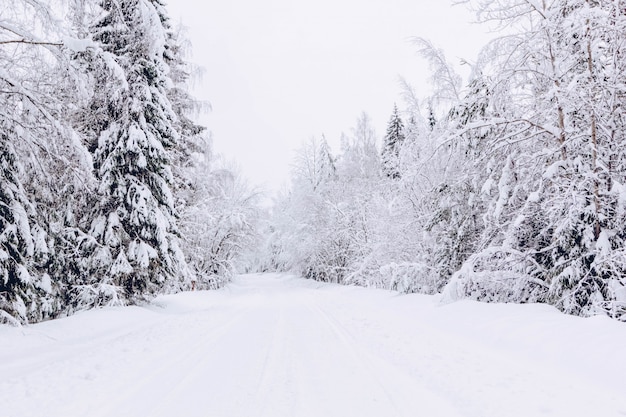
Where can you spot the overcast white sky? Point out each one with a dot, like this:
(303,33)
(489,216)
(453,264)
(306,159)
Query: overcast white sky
(281,71)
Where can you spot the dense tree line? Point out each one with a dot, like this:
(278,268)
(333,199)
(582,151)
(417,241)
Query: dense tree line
(510,189)
(109,193)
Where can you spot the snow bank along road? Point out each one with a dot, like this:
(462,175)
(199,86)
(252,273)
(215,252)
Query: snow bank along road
(275,345)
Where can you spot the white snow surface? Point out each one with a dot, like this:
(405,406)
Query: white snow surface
(277,345)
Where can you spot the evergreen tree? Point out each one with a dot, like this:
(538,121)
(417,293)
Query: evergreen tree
(136,218)
(432,120)
(24,285)
(327,165)
(392,144)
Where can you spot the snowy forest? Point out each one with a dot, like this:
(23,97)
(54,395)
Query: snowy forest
(510,187)
(109,192)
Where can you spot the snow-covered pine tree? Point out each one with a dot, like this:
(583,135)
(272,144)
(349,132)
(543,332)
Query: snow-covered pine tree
(135,128)
(23,249)
(432,120)
(392,144)
(328,169)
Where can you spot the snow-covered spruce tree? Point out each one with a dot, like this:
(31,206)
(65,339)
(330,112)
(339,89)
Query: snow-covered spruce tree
(84,262)
(327,165)
(133,129)
(19,275)
(392,143)
(24,286)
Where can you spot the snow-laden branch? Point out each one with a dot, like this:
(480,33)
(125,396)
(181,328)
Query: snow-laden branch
(29,42)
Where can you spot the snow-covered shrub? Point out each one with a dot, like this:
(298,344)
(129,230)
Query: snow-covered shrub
(409,277)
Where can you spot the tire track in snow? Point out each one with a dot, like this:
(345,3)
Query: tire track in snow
(388,377)
(33,360)
(479,379)
(161,366)
(348,343)
(275,386)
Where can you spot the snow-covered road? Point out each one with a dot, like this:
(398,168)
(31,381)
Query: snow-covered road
(275,345)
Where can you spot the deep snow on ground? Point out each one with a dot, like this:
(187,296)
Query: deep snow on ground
(275,345)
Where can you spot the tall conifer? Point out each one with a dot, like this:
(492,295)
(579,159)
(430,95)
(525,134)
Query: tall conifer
(136,218)
(392,143)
